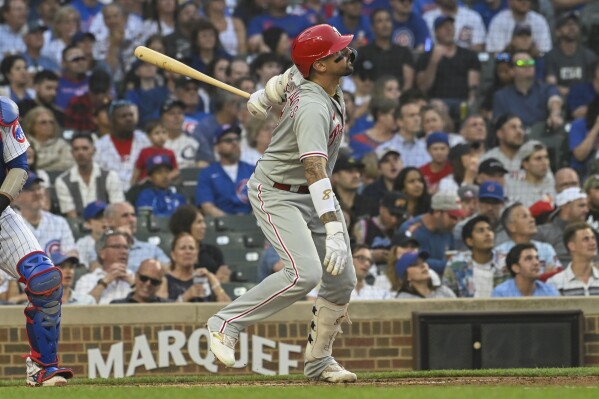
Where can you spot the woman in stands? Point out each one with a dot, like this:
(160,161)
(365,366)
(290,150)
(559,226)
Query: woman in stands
(186,283)
(410,277)
(189,219)
(410,181)
(231,30)
(42,130)
(160,18)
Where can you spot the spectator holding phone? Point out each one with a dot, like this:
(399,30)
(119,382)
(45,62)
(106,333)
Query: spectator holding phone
(186,284)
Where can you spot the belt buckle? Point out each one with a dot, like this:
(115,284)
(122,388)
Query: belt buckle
(294,188)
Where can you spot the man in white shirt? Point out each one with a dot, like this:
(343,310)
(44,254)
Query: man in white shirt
(510,133)
(521,227)
(405,142)
(86,182)
(52,231)
(14,15)
(172,116)
(581,277)
(469,26)
(119,150)
(121,216)
(519,12)
(536,182)
(111,280)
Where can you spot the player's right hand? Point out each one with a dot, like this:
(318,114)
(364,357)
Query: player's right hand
(258,105)
(335,258)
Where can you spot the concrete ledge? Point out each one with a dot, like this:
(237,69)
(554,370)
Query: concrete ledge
(298,312)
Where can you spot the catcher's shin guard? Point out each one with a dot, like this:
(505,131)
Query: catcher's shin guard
(326,324)
(44,290)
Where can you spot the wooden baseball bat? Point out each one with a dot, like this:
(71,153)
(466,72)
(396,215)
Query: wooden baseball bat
(170,64)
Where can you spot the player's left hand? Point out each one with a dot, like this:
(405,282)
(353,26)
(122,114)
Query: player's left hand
(336,249)
(258,105)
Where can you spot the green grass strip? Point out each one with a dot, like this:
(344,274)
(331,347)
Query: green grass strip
(307,392)
(151,380)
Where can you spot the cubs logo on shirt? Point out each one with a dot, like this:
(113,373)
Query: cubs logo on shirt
(18,134)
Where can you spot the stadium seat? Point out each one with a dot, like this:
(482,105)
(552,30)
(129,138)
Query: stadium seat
(244,263)
(53,198)
(189,176)
(53,174)
(188,191)
(161,239)
(237,223)
(160,223)
(236,289)
(235,240)
(76,225)
(590,25)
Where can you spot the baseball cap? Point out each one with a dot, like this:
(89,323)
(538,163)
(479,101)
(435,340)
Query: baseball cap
(437,137)
(529,148)
(364,68)
(170,104)
(408,259)
(156,161)
(347,163)
(183,82)
(540,207)
(32,178)
(564,18)
(403,240)
(81,36)
(441,19)
(591,182)
(59,258)
(116,104)
(522,29)
(447,201)
(94,210)
(381,152)
(34,26)
(491,190)
(395,202)
(468,192)
(225,129)
(458,150)
(491,166)
(569,195)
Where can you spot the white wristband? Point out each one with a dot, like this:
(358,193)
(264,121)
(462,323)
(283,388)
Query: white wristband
(322,196)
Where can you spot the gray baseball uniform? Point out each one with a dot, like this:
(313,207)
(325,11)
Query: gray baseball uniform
(311,124)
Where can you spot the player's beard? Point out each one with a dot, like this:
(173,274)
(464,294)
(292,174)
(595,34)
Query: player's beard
(349,70)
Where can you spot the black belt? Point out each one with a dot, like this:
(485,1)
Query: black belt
(293,189)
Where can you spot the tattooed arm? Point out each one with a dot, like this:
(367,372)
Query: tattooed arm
(315,170)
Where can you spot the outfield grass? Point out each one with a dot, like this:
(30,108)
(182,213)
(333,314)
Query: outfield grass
(187,387)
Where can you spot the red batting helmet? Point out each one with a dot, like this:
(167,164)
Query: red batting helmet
(316,43)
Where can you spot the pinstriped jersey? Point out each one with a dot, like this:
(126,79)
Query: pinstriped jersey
(310,124)
(13,145)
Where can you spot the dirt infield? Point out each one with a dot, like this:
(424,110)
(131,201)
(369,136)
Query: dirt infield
(436,381)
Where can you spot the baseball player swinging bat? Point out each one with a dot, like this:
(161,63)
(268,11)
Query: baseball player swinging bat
(170,64)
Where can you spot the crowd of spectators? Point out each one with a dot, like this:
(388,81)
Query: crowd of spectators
(468,167)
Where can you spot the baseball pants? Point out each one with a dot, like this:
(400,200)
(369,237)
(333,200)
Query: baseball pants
(289,221)
(16,242)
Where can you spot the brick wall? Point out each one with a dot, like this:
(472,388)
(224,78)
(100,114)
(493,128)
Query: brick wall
(380,337)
